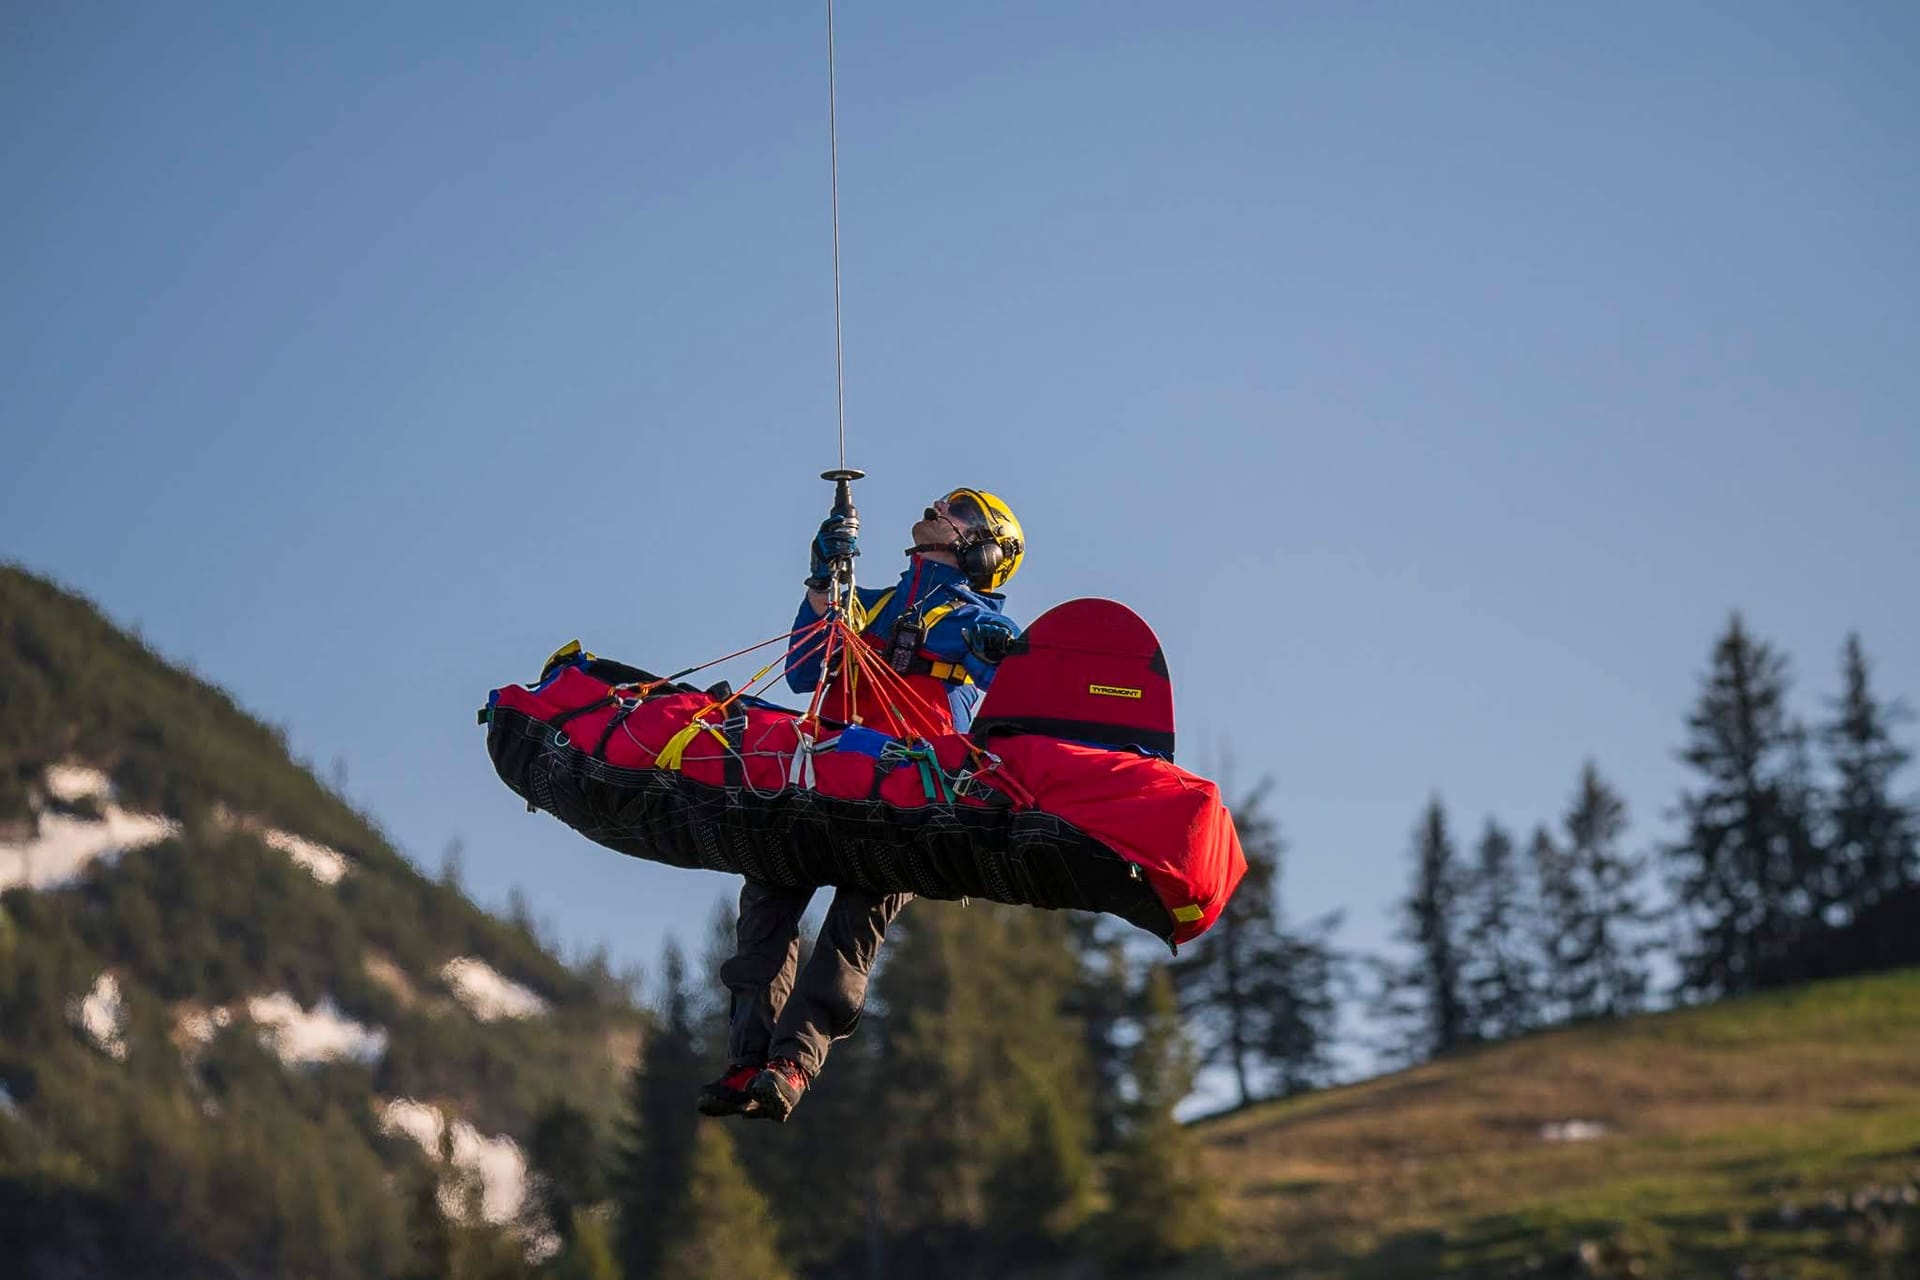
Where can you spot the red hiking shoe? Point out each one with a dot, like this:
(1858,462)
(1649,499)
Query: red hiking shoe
(779,1088)
(729,1095)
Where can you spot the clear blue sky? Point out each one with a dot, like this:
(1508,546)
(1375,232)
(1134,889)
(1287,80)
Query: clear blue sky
(1435,378)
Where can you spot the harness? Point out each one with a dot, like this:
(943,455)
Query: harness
(908,658)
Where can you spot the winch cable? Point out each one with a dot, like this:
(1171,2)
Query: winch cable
(835,636)
(841,601)
(833,162)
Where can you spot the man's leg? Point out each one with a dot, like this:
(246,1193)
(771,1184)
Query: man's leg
(832,989)
(759,977)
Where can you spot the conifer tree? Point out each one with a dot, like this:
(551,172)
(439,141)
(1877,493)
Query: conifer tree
(1875,838)
(720,1225)
(430,1237)
(981,1080)
(819,1169)
(1499,971)
(588,1254)
(1219,976)
(1740,869)
(1554,926)
(1260,998)
(1099,1001)
(657,1147)
(1300,991)
(1426,998)
(563,1155)
(1605,973)
(1165,1207)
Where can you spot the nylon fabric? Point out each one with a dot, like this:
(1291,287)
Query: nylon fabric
(1037,822)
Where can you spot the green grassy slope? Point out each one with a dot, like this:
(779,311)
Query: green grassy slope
(1779,1134)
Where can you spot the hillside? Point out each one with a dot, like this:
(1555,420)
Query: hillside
(235,1023)
(1772,1136)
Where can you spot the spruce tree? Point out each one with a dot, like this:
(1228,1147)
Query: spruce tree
(720,1225)
(816,1170)
(1260,998)
(657,1147)
(588,1254)
(1605,974)
(713,1005)
(430,1237)
(1220,976)
(1302,978)
(1555,926)
(1875,838)
(563,1157)
(1426,998)
(1739,873)
(1165,1206)
(980,1086)
(1099,1001)
(1502,984)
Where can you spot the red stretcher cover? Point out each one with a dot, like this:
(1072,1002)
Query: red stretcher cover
(1171,824)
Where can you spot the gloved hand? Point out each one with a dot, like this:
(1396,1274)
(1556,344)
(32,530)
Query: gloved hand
(990,638)
(838,539)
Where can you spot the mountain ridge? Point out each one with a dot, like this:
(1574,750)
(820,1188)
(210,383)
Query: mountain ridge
(234,1019)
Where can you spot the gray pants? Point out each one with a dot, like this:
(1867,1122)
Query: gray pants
(779,1010)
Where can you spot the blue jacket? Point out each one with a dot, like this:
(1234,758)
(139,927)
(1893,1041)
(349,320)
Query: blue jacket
(924,585)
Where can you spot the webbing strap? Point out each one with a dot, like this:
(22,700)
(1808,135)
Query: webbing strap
(933,779)
(931,618)
(800,772)
(858,615)
(560,720)
(951,672)
(672,756)
(735,733)
(922,663)
(800,767)
(614,722)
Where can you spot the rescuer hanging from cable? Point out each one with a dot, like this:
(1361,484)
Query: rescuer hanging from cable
(941,627)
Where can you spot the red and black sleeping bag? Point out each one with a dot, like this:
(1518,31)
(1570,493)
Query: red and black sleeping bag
(1066,807)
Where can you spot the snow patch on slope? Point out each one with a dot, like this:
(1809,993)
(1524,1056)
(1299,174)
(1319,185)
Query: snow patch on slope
(71,783)
(194,1029)
(102,1016)
(486,993)
(324,864)
(1573,1131)
(63,845)
(495,1163)
(301,1037)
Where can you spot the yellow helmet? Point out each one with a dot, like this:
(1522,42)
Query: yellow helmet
(990,546)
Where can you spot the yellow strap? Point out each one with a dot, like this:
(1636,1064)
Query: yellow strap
(858,614)
(931,617)
(950,671)
(671,754)
(1189,913)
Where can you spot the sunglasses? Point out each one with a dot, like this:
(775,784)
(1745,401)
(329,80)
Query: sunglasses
(963,511)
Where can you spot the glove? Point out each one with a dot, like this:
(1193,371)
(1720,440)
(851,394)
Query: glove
(990,638)
(838,539)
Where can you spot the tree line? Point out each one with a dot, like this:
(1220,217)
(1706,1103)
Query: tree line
(1009,1103)
(1014,1097)
(1797,858)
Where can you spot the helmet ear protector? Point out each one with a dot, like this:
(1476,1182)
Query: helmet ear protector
(980,558)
